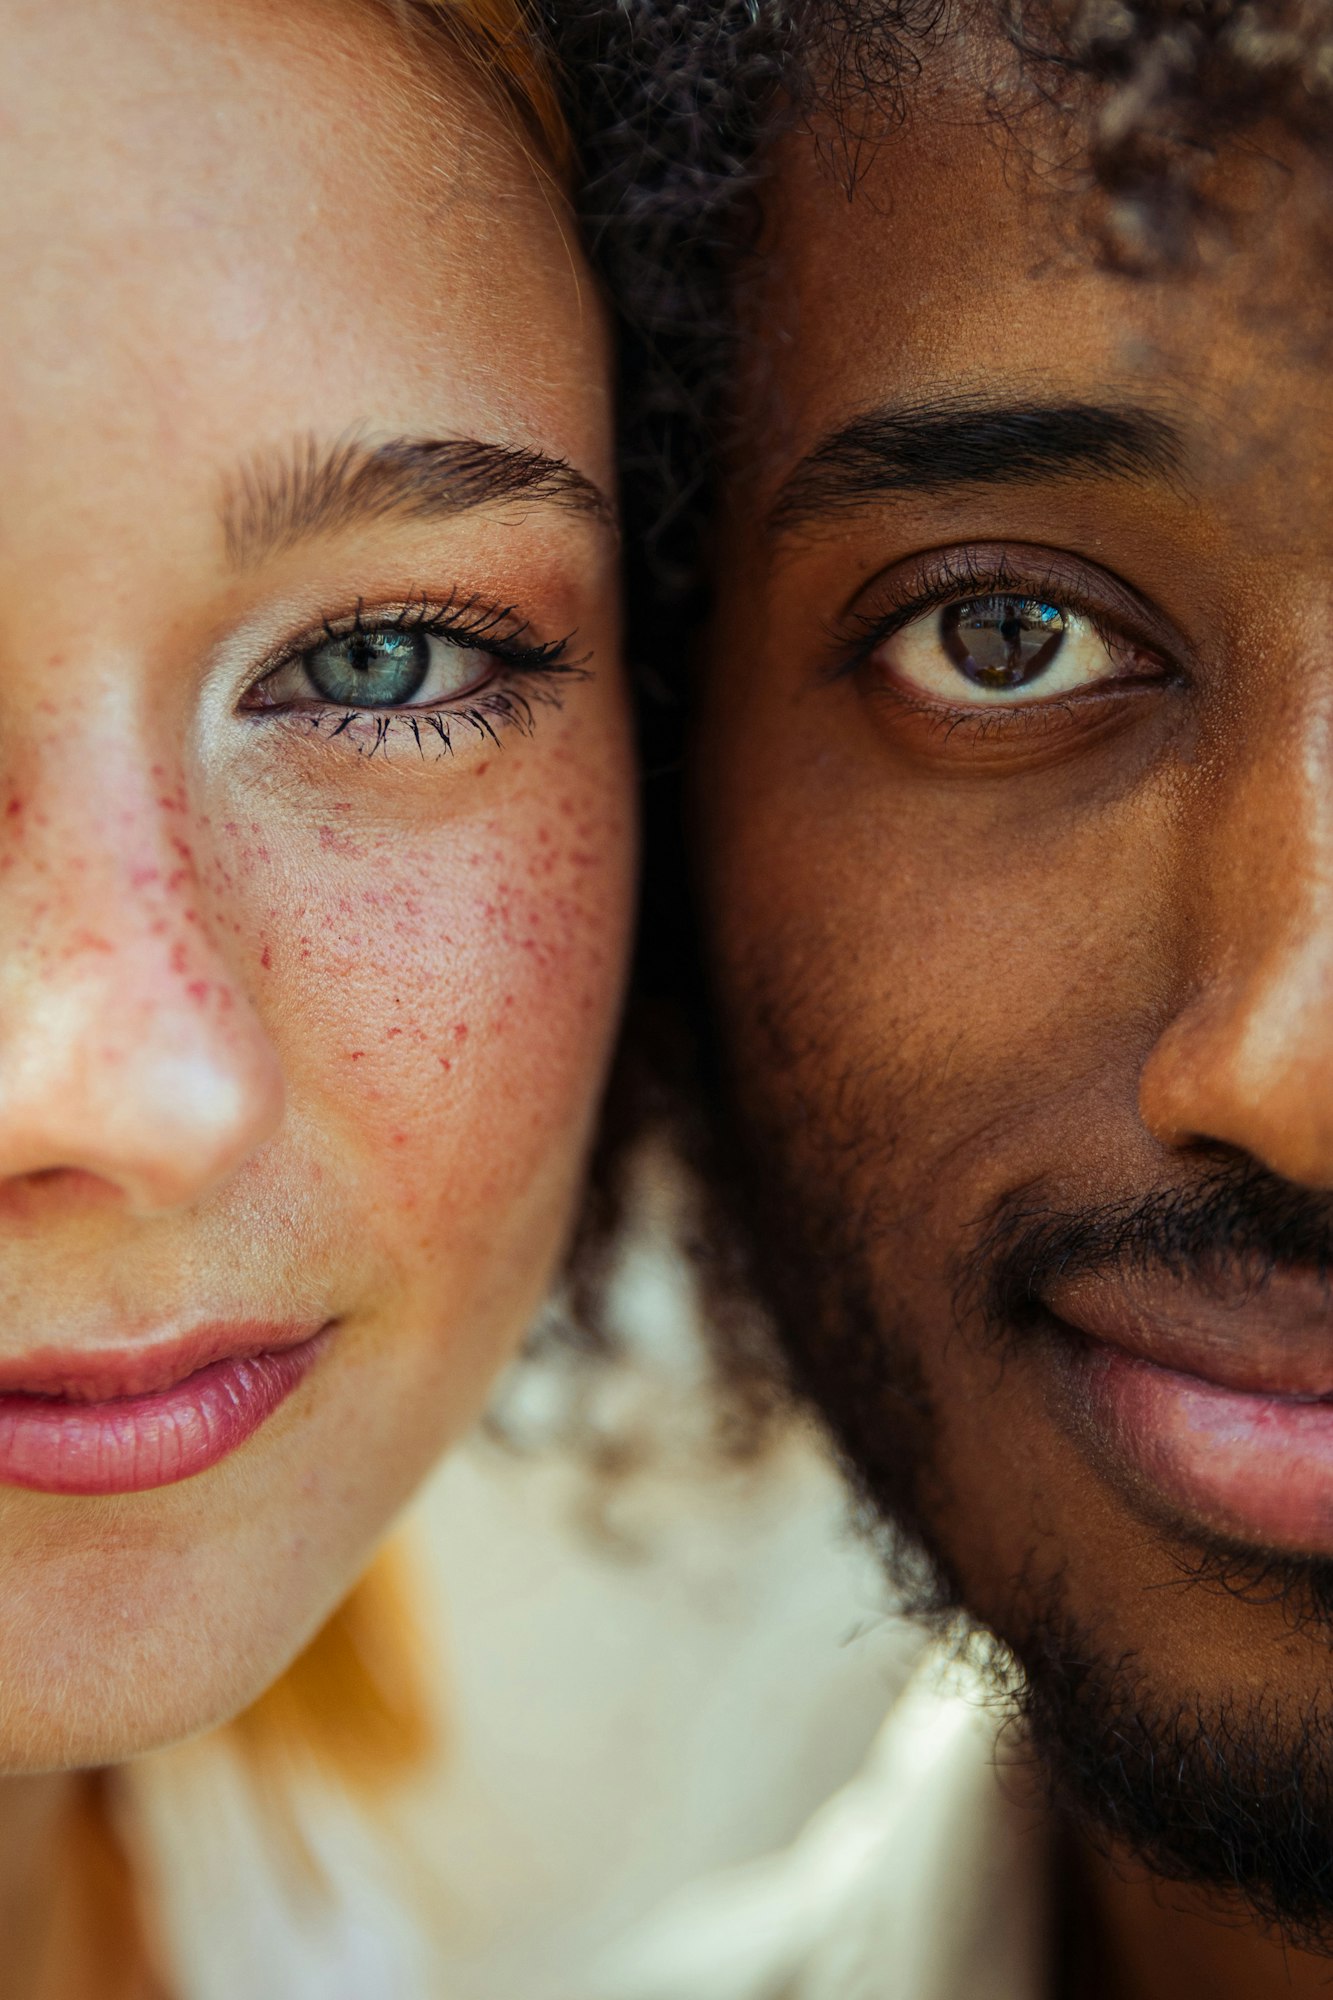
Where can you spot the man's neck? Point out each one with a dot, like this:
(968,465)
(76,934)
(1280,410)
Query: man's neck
(1138,1938)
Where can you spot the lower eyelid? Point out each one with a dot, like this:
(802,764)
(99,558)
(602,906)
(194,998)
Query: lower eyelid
(508,701)
(1059,714)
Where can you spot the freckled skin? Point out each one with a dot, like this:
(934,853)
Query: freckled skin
(948,971)
(286,1029)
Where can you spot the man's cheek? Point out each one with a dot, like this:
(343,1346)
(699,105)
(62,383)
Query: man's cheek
(938,1034)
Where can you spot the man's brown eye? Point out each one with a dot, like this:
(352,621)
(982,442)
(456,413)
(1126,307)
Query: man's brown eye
(1002,651)
(1002,642)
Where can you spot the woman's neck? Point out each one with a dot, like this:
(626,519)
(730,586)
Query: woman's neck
(68,1921)
(34,1815)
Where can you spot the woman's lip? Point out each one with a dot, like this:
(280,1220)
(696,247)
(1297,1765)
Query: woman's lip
(134,1419)
(101,1374)
(1251,1468)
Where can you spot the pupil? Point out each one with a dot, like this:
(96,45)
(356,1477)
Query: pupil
(1002,642)
(370,669)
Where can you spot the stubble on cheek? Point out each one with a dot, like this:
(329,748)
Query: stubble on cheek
(824,1137)
(873,1153)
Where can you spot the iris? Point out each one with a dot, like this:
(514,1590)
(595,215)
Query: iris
(1002,641)
(370,669)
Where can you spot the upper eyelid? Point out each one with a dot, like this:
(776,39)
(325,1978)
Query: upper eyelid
(509,630)
(1059,579)
(401,615)
(1059,576)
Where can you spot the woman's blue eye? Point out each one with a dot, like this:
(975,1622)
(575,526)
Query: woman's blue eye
(369,669)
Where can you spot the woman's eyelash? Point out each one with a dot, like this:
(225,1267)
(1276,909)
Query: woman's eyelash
(496,708)
(458,621)
(529,674)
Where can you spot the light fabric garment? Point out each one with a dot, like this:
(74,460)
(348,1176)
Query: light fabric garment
(925,1878)
(638,1688)
(616,1726)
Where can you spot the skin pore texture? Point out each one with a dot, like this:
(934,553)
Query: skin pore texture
(304,1012)
(1025,966)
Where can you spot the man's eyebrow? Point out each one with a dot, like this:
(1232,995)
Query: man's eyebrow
(927,447)
(306,488)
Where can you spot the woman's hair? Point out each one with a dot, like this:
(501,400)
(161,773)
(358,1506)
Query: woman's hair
(505,46)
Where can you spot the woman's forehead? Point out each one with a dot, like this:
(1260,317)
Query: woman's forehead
(222,117)
(262,221)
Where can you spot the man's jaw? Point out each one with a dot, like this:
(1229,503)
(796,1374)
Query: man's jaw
(1227,1789)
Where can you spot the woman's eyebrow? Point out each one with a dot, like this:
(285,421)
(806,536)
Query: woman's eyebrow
(305,488)
(924,447)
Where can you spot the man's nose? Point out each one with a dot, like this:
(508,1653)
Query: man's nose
(1247,1059)
(129,1050)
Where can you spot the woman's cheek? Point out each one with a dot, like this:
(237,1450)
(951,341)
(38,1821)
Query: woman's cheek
(443,1002)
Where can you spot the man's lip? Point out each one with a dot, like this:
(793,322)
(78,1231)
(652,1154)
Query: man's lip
(102,1374)
(1267,1338)
(1255,1470)
(1213,1403)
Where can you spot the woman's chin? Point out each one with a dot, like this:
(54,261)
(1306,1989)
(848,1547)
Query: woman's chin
(106,1658)
(128,1625)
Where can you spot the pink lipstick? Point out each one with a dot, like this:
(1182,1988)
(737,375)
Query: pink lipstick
(128,1420)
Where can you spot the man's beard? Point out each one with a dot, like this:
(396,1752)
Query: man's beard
(1234,1794)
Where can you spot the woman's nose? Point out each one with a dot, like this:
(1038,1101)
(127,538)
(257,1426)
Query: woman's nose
(1247,1060)
(129,1048)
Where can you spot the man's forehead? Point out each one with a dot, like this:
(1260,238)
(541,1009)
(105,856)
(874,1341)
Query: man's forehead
(957,268)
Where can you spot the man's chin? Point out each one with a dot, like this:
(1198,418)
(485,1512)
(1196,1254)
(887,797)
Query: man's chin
(1229,1790)
(1227,1787)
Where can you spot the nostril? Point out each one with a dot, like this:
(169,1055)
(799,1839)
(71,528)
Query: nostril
(37,1195)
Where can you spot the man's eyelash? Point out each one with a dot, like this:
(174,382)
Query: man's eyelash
(955,574)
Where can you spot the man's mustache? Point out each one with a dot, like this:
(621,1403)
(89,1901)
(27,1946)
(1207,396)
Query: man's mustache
(1236,1222)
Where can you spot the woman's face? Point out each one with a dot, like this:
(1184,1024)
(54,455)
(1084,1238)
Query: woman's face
(315,841)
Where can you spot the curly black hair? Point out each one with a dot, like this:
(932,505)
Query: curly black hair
(675,104)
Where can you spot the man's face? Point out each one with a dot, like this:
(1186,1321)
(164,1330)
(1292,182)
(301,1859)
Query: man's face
(1015,795)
